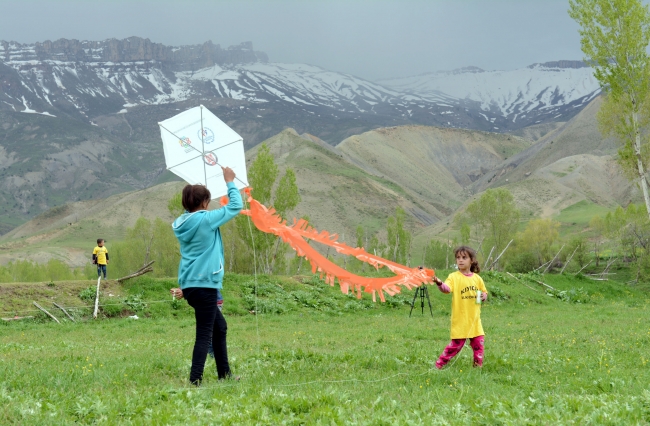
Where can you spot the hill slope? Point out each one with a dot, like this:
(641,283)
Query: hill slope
(433,164)
(569,164)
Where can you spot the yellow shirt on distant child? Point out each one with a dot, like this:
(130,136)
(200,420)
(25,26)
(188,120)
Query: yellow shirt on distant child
(100,252)
(465,312)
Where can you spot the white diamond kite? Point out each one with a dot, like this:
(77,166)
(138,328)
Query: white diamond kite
(197,144)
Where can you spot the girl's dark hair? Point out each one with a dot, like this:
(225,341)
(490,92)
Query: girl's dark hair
(194,196)
(472,256)
(99,240)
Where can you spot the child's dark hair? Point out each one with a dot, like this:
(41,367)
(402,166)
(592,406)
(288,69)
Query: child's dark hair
(194,196)
(100,240)
(472,255)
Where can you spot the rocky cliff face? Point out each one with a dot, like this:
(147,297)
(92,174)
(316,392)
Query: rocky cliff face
(132,49)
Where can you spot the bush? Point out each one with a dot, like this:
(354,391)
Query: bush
(135,303)
(523,262)
(88,294)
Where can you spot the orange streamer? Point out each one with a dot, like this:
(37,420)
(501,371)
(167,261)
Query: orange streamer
(267,221)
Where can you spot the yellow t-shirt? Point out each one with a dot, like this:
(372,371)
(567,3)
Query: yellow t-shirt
(465,312)
(100,252)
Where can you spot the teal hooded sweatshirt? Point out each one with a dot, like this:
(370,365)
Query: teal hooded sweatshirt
(200,240)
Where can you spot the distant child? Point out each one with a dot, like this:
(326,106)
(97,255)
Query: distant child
(100,257)
(464,286)
(201,269)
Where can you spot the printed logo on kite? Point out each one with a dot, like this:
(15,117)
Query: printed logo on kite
(185,143)
(210,159)
(208,135)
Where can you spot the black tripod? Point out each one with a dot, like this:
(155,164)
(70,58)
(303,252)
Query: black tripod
(423,291)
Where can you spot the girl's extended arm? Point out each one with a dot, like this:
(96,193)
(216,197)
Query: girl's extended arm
(441,285)
(230,210)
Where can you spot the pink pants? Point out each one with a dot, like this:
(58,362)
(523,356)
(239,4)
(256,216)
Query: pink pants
(456,345)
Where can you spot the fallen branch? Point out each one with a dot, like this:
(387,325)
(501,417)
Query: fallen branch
(146,268)
(135,274)
(545,285)
(520,281)
(49,314)
(499,256)
(551,262)
(64,311)
(597,279)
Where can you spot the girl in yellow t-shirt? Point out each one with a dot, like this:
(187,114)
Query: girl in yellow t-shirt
(467,292)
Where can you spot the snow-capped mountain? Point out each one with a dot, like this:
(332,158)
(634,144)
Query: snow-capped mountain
(538,93)
(93,79)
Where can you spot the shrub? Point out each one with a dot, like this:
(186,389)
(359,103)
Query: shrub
(523,262)
(88,294)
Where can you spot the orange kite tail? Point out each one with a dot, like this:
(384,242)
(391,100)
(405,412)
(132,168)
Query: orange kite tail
(267,221)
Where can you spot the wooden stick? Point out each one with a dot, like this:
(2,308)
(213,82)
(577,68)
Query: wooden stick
(99,280)
(567,262)
(64,311)
(43,309)
(499,256)
(545,285)
(16,318)
(520,281)
(608,266)
(488,258)
(543,264)
(581,269)
(551,262)
(135,274)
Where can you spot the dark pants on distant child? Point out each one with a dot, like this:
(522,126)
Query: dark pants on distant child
(100,269)
(477,343)
(210,326)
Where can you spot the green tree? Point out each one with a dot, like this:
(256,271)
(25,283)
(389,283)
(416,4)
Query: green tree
(360,236)
(538,238)
(175,205)
(580,249)
(438,255)
(262,175)
(399,238)
(144,242)
(598,225)
(496,217)
(614,36)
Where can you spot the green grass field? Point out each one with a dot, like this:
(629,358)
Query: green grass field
(577,356)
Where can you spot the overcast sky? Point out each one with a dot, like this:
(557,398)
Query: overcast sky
(370,39)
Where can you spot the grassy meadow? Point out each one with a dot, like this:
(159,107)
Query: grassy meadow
(315,356)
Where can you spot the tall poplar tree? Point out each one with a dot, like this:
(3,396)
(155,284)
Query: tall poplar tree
(614,36)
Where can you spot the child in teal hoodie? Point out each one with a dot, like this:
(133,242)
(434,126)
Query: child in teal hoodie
(200,272)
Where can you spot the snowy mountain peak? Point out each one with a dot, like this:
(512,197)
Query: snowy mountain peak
(565,64)
(88,79)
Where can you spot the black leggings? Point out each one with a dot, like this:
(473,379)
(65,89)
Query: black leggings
(210,325)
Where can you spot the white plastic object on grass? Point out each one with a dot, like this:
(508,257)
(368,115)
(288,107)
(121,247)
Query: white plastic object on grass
(134,317)
(197,143)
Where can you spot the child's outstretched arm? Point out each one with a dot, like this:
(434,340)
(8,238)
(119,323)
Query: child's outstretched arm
(441,285)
